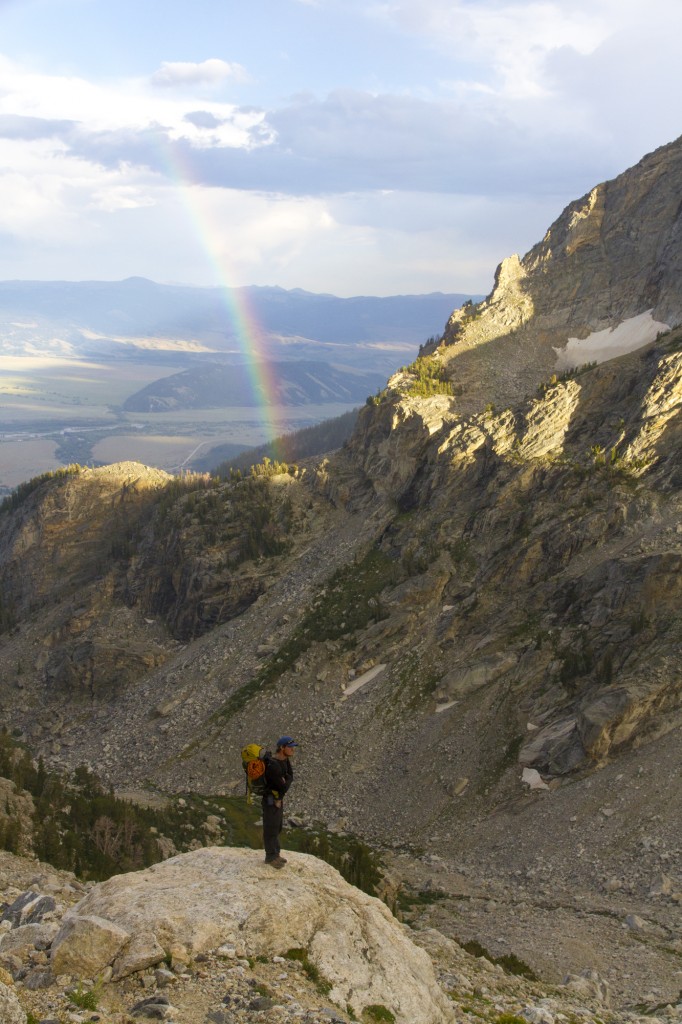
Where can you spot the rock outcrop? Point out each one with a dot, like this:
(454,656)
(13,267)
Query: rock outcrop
(220,896)
(11,1011)
(612,258)
(228,985)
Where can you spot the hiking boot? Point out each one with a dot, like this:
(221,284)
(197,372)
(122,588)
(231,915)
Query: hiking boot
(276,862)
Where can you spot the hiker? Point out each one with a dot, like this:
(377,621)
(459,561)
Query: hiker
(278,777)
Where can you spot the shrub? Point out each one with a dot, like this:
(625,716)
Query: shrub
(509,962)
(300,444)
(354,861)
(429,378)
(85,999)
(379,1013)
(560,378)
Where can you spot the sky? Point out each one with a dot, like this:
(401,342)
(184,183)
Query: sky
(375,148)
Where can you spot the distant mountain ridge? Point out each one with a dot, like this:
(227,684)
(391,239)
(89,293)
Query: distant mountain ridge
(214,386)
(83,318)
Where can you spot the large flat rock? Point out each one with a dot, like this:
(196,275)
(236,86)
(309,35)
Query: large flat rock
(220,895)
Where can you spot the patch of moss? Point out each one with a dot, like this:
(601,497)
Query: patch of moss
(507,759)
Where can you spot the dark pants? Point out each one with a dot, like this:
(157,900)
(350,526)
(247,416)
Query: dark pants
(273,818)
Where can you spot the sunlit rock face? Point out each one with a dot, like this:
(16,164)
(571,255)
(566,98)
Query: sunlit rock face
(603,281)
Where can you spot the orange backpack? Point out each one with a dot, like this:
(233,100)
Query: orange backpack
(254,759)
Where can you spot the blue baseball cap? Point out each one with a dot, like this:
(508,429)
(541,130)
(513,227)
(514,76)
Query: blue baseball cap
(286,741)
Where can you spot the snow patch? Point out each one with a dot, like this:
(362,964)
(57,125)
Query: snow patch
(365,678)
(445,707)
(533,779)
(600,346)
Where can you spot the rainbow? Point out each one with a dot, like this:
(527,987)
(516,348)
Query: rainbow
(248,333)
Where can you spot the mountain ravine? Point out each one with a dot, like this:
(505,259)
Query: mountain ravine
(469,616)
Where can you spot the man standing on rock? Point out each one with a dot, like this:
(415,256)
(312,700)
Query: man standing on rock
(278,777)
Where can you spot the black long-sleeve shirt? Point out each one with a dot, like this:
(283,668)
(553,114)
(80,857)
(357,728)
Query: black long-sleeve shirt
(278,777)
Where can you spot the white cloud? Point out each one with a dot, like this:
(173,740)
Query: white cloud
(350,190)
(129,105)
(111,197)
(208,72)
(243,233)
(503,43)
(49,194)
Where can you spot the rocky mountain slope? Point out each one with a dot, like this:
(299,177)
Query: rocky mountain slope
(481,588)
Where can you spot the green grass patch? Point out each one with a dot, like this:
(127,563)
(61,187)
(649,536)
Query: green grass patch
(508,758)
(309,969)
(416,684)
(377,1013)
(461,554)
(353,859)
(241,818)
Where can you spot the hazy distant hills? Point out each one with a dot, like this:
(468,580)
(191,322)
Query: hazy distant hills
(218,387)
(106,371)
(101,319)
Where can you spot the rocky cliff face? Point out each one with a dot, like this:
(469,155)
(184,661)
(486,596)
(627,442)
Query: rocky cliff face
(120,564)
(485,580)
(612,257)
